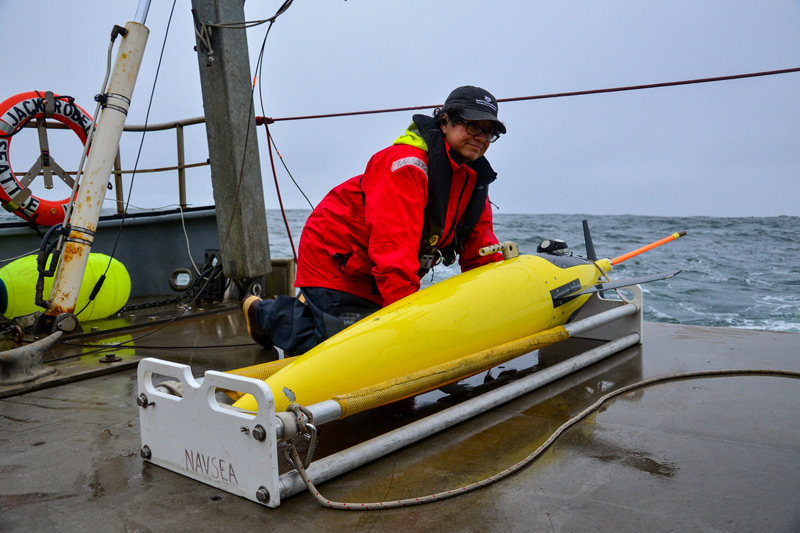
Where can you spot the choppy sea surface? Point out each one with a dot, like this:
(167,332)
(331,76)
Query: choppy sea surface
(735,272)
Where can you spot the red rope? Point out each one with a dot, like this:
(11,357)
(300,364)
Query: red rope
(278,190)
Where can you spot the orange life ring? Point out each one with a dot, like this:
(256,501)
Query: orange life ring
(15,112)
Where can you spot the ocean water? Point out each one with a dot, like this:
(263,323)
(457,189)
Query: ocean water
(735,272)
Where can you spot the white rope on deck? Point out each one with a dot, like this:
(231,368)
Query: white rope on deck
(347,506)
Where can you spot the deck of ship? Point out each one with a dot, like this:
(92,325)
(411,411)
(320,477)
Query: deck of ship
(706,454)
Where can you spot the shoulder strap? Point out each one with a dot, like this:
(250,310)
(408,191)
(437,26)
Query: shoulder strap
(440,177)
(477,202)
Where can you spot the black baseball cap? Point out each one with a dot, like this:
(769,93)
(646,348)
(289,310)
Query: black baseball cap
(476,104)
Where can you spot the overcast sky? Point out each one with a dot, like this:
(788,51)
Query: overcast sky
(721,149)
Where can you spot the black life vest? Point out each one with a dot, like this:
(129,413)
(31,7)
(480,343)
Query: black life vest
(440,177)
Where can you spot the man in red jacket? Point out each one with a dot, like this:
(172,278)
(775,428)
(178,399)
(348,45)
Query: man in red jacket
(422,201)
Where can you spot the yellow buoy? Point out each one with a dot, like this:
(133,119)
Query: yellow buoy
(18,288)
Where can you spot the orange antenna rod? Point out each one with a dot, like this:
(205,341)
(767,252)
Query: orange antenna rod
(650,246)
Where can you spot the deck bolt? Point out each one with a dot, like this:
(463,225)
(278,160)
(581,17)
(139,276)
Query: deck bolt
(262,495)
(110,358)
(259,433)
(145,452)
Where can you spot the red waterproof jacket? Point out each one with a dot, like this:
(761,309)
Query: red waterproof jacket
(364,237)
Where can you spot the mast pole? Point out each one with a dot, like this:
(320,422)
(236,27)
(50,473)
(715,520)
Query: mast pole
(89,200)
(141,12)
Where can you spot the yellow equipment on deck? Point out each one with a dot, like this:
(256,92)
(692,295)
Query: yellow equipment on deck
(18,288)
(473,312)
(447,332)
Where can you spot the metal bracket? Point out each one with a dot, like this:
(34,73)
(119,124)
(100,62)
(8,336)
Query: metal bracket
(618,328)
(202,439)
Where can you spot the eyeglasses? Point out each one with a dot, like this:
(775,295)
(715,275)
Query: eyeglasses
(475,130)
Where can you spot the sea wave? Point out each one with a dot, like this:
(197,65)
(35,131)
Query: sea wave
(736,272)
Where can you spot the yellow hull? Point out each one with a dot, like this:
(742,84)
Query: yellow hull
(473,311)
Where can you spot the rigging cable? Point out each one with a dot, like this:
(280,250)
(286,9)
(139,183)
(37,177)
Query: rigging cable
(270,142)
(250,113)
(552,95)
(79,173)
(286,168)
(269,120)
(213,272)
(71,200)
(278,191)
(250,24)
(186,238)
(8,260)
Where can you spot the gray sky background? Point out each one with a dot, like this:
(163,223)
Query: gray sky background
(722,149)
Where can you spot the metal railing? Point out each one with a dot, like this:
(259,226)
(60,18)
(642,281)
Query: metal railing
(181,165)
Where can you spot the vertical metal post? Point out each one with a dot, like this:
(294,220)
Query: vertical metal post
(181,166)
(232,141)
(141,11)
(90,196)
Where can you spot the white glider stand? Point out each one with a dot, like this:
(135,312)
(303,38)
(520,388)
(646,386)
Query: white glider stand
(199,437)
(237,451)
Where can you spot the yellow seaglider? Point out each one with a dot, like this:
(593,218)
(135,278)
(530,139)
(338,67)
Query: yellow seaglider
(18,288)
(474,311)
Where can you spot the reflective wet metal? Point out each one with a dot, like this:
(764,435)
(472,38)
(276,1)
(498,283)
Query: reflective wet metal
(702,454)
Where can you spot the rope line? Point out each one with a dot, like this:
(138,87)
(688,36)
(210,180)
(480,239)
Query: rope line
(286,168)
(250,112)
(278,192)
(552,95)
(408,502)
(245,24)
(270,140)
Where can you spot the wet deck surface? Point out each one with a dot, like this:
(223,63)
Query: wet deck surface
(705,454)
